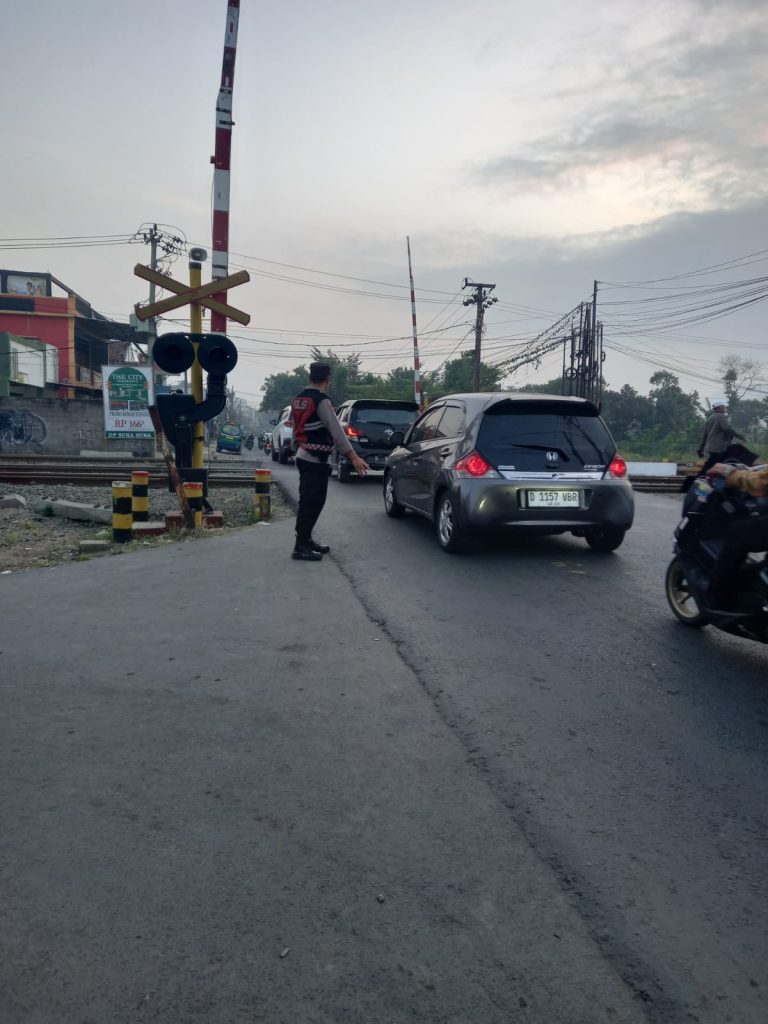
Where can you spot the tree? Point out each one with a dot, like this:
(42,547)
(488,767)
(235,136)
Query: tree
(627,412)
(674,410)
(281,388)
(550,387)
(398,385)
(347,380)
(458,376)
(739,376)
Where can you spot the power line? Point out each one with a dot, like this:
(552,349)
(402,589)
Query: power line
(729,264)
(330,273)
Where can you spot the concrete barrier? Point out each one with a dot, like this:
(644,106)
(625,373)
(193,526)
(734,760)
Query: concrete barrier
(83,513)
(652,468)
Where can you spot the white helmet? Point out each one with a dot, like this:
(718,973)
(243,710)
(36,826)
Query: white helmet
(719,402)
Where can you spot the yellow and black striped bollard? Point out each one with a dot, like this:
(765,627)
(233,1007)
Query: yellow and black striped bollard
(194,493)
(122,515)
(140,495)
(262,498)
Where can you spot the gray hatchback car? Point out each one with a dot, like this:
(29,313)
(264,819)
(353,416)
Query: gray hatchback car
(511,459)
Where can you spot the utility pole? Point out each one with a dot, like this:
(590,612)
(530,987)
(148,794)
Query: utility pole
(170,245)
(480,298)
(153,236)
(416,363)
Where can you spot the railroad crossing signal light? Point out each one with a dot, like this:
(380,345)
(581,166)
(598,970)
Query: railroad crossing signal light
(174,353)
(216,354)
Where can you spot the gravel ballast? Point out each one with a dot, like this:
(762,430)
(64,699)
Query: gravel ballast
(30,537)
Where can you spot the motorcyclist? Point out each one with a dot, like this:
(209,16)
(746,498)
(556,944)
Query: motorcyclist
(718,435)
(743,536)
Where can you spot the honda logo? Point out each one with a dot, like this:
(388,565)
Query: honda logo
(552,457)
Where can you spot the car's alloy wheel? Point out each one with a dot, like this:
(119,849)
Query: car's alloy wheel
(448,533)
(680,597)
(392,506)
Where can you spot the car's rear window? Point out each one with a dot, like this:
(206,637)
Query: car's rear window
(395,415)
(231,432)
(539,437)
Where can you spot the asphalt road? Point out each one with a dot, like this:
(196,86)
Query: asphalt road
(630,751)
(211,811)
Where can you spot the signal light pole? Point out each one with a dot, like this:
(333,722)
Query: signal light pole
(481,298)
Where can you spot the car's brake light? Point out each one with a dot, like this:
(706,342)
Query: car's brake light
(352,432)
(474,465)
(618,467)
(288,423)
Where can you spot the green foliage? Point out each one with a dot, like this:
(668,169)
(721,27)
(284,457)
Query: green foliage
(458,376)
(348,381)
(626,412)
(674,410)
(281,388)
(549,387)
(664,424)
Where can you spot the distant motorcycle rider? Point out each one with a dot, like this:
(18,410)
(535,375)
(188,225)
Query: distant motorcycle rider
(742,537)
(718,435)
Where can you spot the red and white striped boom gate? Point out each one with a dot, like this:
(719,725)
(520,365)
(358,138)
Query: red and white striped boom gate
(222,162)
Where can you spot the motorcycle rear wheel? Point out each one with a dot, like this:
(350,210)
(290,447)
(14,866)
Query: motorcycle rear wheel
(680,596)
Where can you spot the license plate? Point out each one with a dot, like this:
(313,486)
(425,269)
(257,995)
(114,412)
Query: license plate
(553,499)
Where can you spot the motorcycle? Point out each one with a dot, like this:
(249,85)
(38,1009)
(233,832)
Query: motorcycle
(249,442)
(709,508)
(268,446)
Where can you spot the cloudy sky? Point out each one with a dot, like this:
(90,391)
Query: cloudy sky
(537,146)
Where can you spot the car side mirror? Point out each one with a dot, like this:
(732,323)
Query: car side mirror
(398,437)
(273,423)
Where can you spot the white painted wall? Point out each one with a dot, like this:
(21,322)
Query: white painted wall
(652,468)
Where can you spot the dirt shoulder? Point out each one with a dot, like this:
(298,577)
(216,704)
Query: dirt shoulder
(32,538)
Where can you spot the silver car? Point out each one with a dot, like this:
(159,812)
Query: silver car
(509,459)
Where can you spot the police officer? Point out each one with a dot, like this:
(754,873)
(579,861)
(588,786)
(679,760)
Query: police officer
(316,432)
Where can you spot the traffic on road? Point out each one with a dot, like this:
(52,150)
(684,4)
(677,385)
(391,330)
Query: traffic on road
(630,749)
(623,743)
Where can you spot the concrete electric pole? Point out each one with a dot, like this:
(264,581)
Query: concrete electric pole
(169,245)
(480,298)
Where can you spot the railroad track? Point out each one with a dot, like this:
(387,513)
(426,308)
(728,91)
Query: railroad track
(86,472)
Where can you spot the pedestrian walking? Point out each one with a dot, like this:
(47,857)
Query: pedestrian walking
(316,432)
(718,435)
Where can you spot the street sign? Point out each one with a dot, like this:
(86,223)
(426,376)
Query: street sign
(127,397)
(186,295)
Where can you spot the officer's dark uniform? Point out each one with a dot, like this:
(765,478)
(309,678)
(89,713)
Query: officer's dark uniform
(311,435)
